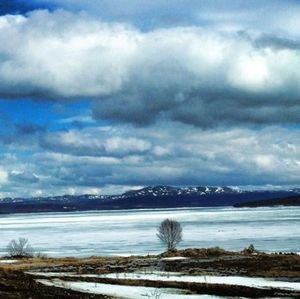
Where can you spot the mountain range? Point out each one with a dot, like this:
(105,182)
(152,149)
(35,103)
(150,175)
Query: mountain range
(148,197)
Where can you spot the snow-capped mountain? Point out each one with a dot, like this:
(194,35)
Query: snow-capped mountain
(148,197)
(177,191)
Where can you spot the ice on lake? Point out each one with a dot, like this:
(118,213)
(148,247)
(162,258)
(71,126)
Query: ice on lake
(129,232)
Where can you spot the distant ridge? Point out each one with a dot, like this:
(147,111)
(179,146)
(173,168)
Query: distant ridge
(287,201)
(172,191)
(149,197)
(154,191)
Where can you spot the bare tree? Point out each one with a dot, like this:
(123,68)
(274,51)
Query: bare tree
(20,248)
(170,233)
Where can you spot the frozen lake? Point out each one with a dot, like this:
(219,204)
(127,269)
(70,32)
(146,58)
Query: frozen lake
(134,231)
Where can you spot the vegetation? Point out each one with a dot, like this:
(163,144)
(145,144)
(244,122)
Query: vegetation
(20,248)
(170,233)
(250,249)
(156,294)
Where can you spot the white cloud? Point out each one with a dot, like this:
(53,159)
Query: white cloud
(95,142)
(128,145)
(3,176)
(64,54)
(182,72)
(265,162)
(161,150)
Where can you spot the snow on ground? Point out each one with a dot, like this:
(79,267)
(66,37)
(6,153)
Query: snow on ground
(228,280)
(55,274)
(174,258)
(8,261)
(74,274)
(256,282)
(121,291)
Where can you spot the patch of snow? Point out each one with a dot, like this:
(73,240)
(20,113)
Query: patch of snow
(174,258)
(256,282)
(122,291)
(8,261)
(53,274)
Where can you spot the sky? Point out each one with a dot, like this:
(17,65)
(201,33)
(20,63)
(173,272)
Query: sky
(102,96)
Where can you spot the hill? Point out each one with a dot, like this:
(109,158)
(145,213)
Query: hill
(148,197)
(287,201)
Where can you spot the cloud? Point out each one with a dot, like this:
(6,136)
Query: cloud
(179,73)
(188,97)
(165,153)
(78,120)
(274,16)
(179,155)
(61,55)
(94,142)
(129,145)
(22,135)
(3,176)
(237,156)
(23,177)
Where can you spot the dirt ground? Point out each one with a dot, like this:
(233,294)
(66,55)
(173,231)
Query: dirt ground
(17,285)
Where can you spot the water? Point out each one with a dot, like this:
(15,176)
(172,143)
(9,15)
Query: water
(134,231)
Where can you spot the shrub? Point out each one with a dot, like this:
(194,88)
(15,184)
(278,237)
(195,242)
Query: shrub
(155,294)
(20,248)
(170,233)
(250,249)
(41,255)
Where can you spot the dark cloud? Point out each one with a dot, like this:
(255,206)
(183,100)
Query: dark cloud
(275,42)
(29,128)
(23,135)
(23,178)
(204,111)
(226,113)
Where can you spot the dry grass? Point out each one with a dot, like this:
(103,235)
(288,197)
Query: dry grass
(197,252)
(30,263)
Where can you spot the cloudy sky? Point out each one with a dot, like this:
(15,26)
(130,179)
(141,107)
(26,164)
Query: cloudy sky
(100,96)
